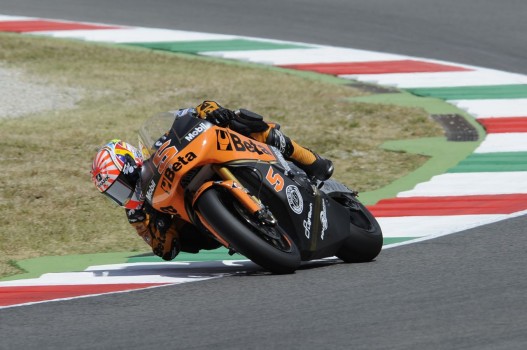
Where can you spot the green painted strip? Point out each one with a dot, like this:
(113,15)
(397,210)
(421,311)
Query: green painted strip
(392,240)
(443,154)
(68,263)
(473,92)
(36,267)
(429,104)
(217,45)
(492,162)
(204,255)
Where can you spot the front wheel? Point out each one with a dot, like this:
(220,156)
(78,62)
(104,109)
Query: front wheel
(267,246)
(365,241)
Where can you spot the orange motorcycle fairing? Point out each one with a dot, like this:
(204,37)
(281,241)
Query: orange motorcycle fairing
(179,157)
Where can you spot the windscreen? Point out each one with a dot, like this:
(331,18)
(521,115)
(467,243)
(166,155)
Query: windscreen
(151,130)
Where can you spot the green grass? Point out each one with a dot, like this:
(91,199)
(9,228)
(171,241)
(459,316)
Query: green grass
(49,205)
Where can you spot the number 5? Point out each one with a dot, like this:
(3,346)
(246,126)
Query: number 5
(275,179)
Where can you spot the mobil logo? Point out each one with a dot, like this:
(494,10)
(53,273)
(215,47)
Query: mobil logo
(196,131)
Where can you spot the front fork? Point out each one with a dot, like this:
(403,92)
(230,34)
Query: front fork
(251,203)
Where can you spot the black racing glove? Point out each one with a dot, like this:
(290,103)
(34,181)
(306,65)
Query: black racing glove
(221,117)
(135,215)
(214,113)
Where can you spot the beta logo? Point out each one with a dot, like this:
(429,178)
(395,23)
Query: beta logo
(178,165)
(170,173)
(227,141)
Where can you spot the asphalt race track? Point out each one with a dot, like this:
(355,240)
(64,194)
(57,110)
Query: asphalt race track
(463,291)
(485,33)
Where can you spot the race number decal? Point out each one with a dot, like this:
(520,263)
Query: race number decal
(163,156)
(275,179)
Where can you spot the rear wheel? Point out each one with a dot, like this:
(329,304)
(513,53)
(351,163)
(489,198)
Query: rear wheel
(365,241)
(267,246)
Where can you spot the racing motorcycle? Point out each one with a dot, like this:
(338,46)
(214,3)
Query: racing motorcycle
(249,198)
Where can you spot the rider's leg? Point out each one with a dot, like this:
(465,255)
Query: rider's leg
(251,124)
(313,164)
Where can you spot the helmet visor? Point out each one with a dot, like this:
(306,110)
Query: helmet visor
(120,191)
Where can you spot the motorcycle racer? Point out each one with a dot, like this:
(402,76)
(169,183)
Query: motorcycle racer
(117,166)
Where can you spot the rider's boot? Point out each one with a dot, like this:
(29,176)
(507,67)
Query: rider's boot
(313,164)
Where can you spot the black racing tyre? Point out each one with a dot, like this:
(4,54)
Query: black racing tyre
(365,241)
(251,239)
